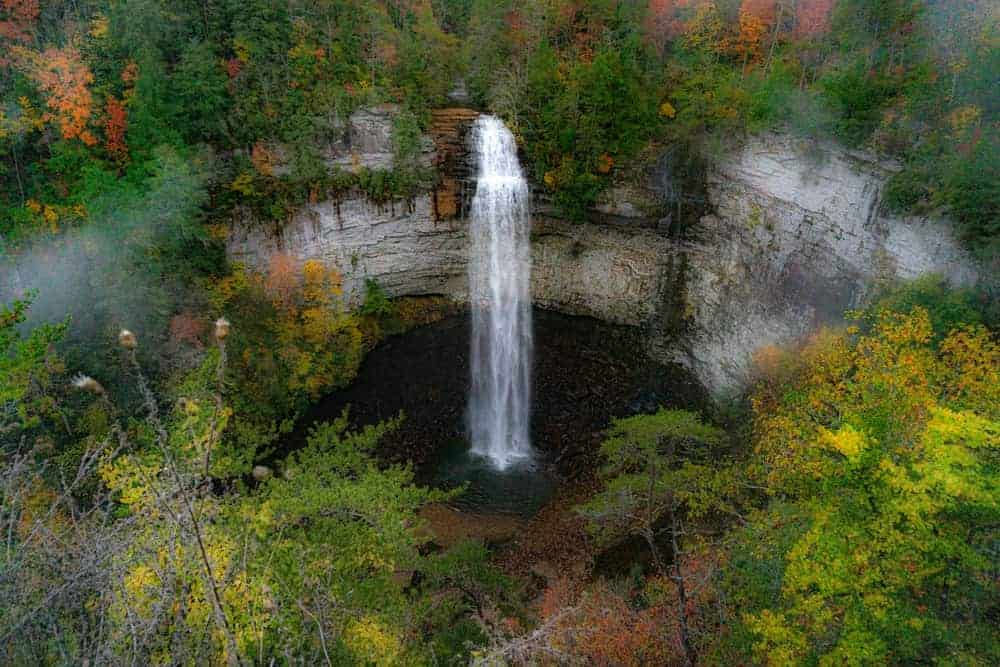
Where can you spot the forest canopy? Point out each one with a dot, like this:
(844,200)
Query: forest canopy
(844,510)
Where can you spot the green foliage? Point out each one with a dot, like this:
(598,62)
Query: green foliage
(376,301)
(880,458)
(948,308)
(200,91)
(28,367)
(857,100)
(316,562)
(656,463)
(877,449)
(581,120)
(970,191)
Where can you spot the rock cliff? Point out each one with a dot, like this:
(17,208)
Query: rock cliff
(795,236)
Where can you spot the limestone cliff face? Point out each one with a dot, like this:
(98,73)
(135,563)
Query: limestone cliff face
(795,236)
(610,272)
(408,247)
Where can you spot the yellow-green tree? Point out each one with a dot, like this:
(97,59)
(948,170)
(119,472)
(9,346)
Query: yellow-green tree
(880,454)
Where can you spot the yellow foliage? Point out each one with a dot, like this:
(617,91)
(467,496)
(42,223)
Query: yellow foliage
(242,49)
(372,642)
(218,231)
(226,289)
(846,440)
(779,640)
(244,184)
(99,27)
(970,369)
(667,110)
(140,585)
(706,28)
(965,117)
(918,425)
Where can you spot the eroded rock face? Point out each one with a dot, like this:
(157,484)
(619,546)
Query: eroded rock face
(409,247)
(608,272)
(794,238)
(401,246)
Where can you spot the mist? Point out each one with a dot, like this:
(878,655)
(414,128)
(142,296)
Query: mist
(125,266)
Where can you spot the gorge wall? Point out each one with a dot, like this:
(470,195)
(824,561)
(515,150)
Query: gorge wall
(795,236)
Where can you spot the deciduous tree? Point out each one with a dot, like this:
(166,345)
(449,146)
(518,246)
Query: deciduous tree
(64,80)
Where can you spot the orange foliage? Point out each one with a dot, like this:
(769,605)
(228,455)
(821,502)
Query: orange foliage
(605,628)
(63,77)
(115,125)
(130,73)
(604,163)
(282,280)
(749,43)
(262,159)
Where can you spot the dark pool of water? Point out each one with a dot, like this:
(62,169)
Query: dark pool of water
(521,488)
(585,373)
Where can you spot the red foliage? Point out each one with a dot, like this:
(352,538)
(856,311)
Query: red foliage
(666,20)
(967,148)
(515,29)
(188,329)
(233,67)
(764,10)
(388,53)
(812,17)
(115,126)
(17,24)
(605,628)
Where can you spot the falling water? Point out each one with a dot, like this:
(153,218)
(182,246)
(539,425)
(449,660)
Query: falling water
(499,277)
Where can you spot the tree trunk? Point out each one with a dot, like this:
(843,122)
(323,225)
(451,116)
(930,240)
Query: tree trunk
(677,576)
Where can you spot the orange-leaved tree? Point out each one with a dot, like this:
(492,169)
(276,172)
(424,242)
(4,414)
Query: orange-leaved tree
(64,79)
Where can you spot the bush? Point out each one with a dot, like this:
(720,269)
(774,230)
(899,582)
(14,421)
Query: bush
(376,302)
(857,98)
(948,308)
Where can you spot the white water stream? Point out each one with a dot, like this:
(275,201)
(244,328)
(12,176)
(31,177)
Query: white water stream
(500,295)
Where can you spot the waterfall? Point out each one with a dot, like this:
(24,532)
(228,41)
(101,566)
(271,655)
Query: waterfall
(500,296)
